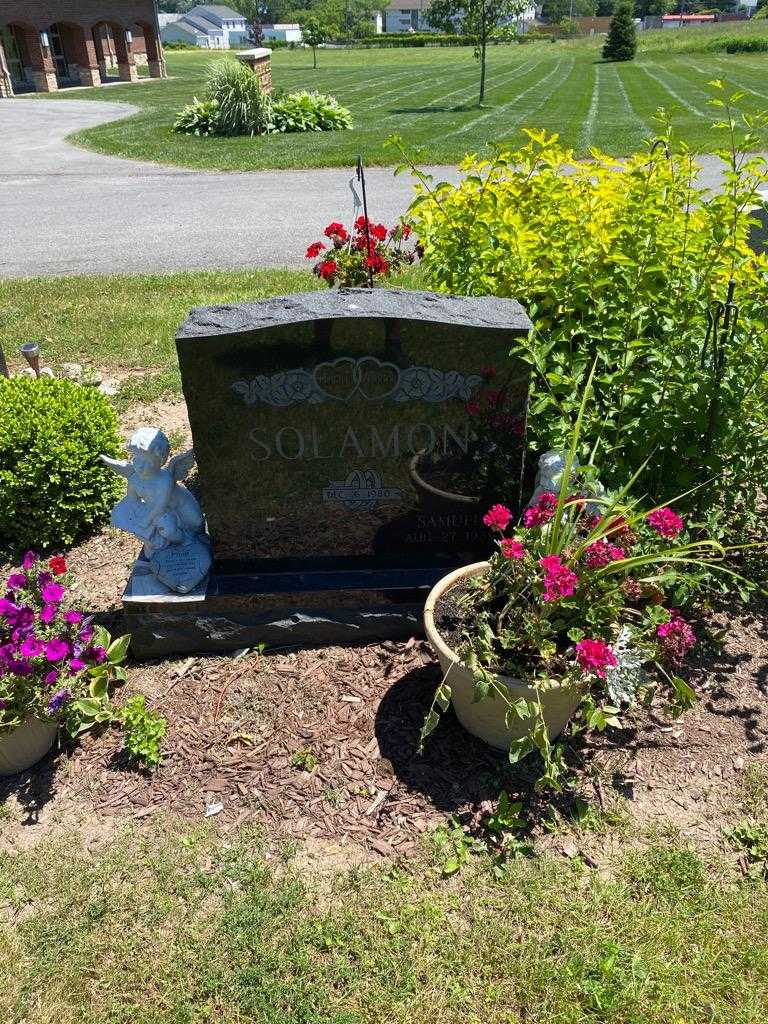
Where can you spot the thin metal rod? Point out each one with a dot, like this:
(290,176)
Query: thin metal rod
(361,179)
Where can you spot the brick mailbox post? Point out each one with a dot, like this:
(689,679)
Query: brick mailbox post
(260,62)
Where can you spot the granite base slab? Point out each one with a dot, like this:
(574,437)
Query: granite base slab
(226,613)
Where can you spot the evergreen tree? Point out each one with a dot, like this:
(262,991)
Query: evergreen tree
(622,40)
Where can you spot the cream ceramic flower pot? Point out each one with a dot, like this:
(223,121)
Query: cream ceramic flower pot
(486,719)
(26,745)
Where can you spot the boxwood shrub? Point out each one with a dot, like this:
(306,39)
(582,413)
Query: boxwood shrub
(53,488)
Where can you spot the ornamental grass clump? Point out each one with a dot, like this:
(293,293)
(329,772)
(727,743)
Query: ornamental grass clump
(242,107)
(625,260)
(586,593)
(350,259)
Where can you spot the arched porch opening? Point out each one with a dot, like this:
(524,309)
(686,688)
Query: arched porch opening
(147,49)
(73,54)
(113,43)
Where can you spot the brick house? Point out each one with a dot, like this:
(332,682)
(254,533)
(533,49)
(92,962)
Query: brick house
(46,45)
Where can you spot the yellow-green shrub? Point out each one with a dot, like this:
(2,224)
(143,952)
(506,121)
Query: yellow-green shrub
(53,488)
(622,260)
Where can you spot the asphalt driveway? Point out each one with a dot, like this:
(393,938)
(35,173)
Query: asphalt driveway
(64,210)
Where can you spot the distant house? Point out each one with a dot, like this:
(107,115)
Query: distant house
(411,16)
(211,26)
(687,20)
(284,33)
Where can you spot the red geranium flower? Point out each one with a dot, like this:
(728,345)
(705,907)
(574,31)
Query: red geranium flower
(315,249)
(379,231)
(336,230)
(327,269)
(58,565)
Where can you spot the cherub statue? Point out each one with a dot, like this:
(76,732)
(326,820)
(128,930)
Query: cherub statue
(550,474)
(157,508)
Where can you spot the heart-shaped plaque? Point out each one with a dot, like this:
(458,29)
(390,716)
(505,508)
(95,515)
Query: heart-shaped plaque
(182,566)
(339,379)
(377,380)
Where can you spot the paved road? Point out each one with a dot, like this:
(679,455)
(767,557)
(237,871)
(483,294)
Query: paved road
(64,210)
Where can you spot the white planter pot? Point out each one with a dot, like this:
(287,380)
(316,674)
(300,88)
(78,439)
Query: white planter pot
(486,718)
(26,745)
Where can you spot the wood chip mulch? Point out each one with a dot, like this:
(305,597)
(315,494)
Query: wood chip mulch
(323,744)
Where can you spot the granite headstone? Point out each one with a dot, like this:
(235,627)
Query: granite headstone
(347,444)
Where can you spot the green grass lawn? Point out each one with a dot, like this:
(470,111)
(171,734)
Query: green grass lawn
(182,927)
(429,96)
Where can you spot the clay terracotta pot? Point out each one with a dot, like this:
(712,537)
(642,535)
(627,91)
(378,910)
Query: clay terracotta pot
(25,745)
(432,498)
(486,719)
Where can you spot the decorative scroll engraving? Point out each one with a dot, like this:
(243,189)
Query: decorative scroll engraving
(361,491)
(367,379)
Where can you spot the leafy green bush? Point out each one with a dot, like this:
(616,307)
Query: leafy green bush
(53,488)
(200,117)
(308,112)
(752,44)
(243,109)
(622,260)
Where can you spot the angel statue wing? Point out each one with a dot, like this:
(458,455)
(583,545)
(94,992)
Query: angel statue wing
(121,466)
(180,465)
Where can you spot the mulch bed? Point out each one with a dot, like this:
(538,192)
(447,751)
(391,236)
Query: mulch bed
(240,731)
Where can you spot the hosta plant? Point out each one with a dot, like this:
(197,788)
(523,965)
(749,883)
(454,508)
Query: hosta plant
(200,117)
(585,592)
(307,111)
(351,259)
(55,664)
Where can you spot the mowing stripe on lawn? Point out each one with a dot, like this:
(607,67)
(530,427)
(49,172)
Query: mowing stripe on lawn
(633,114)
(497,111)
(530,113)
(466,90)
(730,78)
(675,95)
(467,75)
(588,128)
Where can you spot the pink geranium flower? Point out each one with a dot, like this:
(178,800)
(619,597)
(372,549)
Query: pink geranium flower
(497,517)
(602,553)
(665,522)
(595,656)
(676,638)
(512,549)
(559,581)
(542,511)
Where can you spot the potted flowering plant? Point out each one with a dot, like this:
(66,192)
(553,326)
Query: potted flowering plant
(572,611)
(55,665)
(350,259)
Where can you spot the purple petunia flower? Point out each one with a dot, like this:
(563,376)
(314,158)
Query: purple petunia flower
(76,665)
(19,667)
(52,593)
(51,678)
(17,581)
(24,617)
(98,654)
(56,649)
(6,607)
(73,617)
(86,633)
(58,700)
(29,560)
(32,647)
(48,614)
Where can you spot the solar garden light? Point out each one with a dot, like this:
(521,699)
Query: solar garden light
(31,352)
